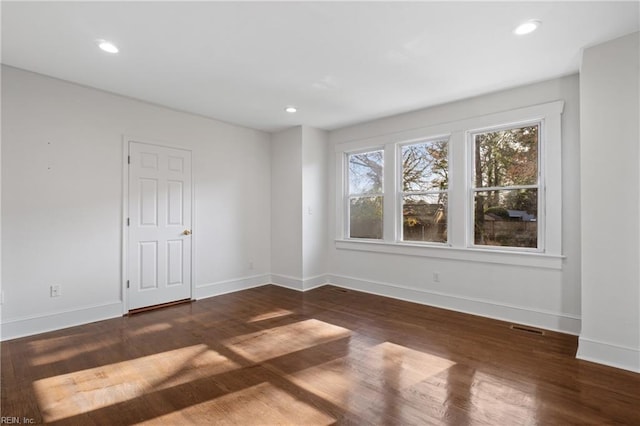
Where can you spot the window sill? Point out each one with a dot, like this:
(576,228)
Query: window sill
(502,257)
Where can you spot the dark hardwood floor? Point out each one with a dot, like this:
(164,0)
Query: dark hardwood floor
(275,356)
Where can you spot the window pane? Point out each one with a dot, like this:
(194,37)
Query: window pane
(506,218)
(424,218)
(365,217)
(507,157)
(425,166)
(365,172)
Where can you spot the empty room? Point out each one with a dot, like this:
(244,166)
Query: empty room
(316,213)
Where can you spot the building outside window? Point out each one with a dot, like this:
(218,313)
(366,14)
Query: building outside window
(425,180)
(505,187)
(486,186)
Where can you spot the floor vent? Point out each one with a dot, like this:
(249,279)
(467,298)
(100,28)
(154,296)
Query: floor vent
(340,290)
(527,329)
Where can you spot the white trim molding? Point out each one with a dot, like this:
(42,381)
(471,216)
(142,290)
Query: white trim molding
(299,284)
(554,321)
(127,140)
(314,282)
(589,350)
(204,291)
(501,257)
(286,281)
(609,354)
(27,326)
(460,226)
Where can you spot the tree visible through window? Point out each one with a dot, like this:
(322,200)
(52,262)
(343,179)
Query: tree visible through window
(485,185)
(366,173)
(425,179)
(505,187)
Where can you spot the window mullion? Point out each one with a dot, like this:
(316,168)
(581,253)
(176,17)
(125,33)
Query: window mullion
(457,190)
(504,188)
(389,198)
(460,137)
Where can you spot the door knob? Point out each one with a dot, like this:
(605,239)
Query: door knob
(186,232)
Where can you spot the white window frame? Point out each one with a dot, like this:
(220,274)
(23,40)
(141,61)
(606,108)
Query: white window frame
(539,186)
(401,193)
(549,253)
(348,196)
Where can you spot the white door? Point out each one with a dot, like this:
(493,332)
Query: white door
(159,224)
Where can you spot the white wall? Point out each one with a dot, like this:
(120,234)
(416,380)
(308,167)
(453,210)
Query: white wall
(299,207)
(286,207)
(62,165)
(610,159)
(548,298)
(314,201)
(1,288)
(62,199)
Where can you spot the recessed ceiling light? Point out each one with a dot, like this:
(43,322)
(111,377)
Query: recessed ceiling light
(527,27)
(291,109)
(107,46)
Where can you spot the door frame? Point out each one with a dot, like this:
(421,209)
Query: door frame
(124,264)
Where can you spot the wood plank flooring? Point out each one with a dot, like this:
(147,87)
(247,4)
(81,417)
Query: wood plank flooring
(328,356)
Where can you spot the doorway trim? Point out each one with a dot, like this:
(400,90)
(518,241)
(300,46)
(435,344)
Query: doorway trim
(124,238)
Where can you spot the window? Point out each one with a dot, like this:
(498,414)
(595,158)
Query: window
(425,179)
(485,188)
(365,194)
(505,182)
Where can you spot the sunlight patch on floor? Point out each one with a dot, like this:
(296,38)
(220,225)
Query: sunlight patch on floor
(516,405)
(153,328)
(53,343)
(277,341)
(355,384)
(79,392)
(268,315)
(404,367)
(264,403)
(65,348)
(68,351)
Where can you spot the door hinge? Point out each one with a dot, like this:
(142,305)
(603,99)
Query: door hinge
(128,159)
(128,222)
(127,283)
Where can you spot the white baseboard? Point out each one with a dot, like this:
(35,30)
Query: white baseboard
(536,318)
(299,284)
(287,281)
(230,286)
(609,354)
(589,350)
(314,282)
(27,326)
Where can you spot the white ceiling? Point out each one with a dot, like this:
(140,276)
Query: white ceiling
(339,62)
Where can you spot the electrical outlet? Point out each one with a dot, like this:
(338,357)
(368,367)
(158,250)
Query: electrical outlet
(55,291)
(436,277)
